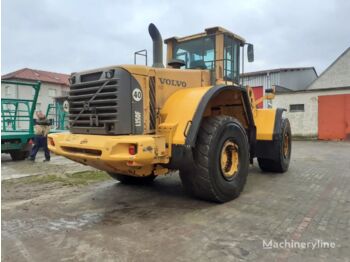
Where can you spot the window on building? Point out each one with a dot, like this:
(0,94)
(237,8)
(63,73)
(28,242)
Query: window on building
(296,108)
(8,91)
(52,92)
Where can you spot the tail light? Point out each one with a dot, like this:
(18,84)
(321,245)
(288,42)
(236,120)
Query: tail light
(51,142)
(132,149)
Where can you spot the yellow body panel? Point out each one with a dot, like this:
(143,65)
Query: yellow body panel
(180,108)
(111,153)
(264,119)
(265,123)
(180,79)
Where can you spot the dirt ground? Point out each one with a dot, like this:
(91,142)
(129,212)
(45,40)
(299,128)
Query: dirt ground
(58,165)
(62,215)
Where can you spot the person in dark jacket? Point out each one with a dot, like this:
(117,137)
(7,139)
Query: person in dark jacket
(42,129)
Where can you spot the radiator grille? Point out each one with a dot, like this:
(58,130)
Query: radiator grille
(94,103)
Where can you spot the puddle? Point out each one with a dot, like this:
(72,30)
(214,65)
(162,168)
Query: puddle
(77,224)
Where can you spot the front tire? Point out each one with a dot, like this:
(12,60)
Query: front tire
(133,180)
(221,161)
(283,150)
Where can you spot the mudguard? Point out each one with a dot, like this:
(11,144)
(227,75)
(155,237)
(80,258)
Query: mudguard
(185,109)
(267,148)
(213,92)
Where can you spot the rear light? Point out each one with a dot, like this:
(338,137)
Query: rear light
(51,142)
(132,149)
(30,142)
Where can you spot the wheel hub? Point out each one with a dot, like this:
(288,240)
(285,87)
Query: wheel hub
(229,160)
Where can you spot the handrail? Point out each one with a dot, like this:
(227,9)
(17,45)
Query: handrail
(11,116)
(225,77)
(143,53)
(15,100)
(59,115)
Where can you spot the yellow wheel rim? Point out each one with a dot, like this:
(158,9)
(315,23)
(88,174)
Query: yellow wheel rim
(229,159)
(285,145)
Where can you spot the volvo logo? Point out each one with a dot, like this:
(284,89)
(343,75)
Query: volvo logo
(172,82)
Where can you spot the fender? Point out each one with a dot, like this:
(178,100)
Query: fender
(179,109)
(186,108)
(212,93)
(267,148)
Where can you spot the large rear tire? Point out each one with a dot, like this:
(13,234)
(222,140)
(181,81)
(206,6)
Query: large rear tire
(283,151)
(221,161)
(133,180)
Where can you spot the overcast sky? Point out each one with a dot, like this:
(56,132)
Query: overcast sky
(66,35)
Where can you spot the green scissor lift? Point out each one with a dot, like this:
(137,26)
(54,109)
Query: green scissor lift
(16,112)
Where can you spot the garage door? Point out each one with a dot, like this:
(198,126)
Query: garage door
(258,93)
(334,117)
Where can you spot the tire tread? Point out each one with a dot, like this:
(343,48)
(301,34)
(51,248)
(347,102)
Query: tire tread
(197,181)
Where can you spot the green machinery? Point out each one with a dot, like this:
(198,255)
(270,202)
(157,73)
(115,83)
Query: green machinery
(17,124)
(59,117)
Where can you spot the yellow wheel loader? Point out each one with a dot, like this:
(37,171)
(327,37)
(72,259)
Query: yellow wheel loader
(139,122)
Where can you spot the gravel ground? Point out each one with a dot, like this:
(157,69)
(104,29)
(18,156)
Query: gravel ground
(58,165)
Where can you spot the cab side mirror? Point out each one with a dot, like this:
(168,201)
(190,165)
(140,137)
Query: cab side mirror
(250,53)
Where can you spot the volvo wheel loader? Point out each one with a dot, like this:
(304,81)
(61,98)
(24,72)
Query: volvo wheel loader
(139,122)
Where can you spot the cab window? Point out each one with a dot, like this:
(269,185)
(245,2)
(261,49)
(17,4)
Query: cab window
(197,53)
(231,59)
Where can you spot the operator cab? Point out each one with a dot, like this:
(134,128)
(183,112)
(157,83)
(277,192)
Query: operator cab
(217,50)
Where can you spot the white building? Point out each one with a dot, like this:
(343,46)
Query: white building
(52,85)
(322,110)
(285,79)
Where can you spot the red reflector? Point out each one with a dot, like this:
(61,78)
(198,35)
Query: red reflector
(30,142)
(51,142)
(132,149)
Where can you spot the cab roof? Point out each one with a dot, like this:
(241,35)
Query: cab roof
(208,31)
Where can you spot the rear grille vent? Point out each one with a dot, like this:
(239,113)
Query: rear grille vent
(90,77)
(94,104)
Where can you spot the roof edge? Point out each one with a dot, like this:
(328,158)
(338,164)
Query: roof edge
(317,90)
(329,67)
(277,70)
(207,31)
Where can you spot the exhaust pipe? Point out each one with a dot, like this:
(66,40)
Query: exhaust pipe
(157,46)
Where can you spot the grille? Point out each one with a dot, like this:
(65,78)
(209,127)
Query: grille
(94,104)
